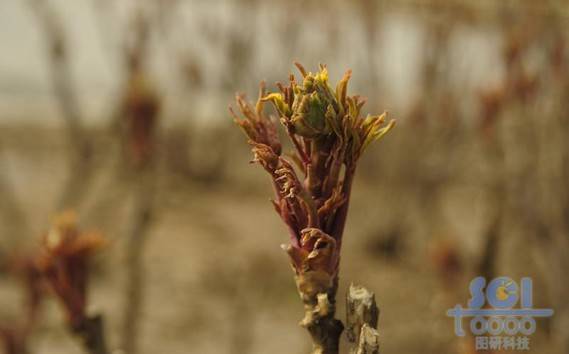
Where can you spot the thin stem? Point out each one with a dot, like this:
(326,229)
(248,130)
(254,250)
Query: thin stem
(135,270)
(299,149)
(12,213)
(80,157)
(341,214)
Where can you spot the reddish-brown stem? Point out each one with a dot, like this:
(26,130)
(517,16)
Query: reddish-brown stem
(294,236)
(340,218)
(301,153)
(332,179)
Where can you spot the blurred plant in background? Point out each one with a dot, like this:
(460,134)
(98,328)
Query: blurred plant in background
(64,263)
(15,335)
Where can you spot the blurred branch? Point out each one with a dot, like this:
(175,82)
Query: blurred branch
(485,10)
(15,335)
(12,212)
(139,113)
(13,342)
(81,151)
(92,335)
(137,237)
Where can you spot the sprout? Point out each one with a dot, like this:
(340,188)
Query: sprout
(329,136)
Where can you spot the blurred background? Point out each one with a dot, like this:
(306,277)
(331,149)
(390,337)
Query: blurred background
(118,110)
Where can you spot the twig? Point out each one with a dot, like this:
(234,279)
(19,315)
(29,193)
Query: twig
(80,158)
(140,111)
(361,320)
(12,213)
(369,341)
(314,206)
(134,265)
(319,320)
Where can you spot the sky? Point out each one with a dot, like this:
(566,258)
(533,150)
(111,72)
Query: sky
(95,32)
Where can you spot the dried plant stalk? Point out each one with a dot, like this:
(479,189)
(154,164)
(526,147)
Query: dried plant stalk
(368,342)
(360,309)
(329,136)
(361,320)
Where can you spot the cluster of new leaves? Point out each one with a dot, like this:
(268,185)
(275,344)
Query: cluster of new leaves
(329,136)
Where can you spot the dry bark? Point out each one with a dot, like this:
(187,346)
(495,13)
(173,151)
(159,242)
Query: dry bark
(325,330)
(369,341)
(361,320)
